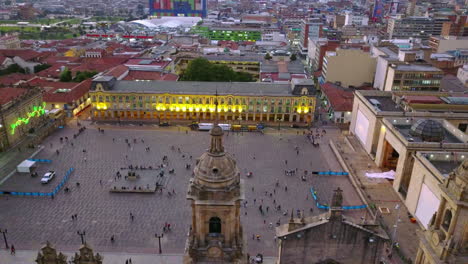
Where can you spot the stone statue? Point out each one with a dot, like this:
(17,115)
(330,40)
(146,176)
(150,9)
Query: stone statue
(337,199)
(86,256)
(48,255)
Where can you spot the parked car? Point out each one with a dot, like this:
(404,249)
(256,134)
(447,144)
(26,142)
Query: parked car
(164,124)
(48,177)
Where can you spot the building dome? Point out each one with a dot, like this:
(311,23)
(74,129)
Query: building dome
(216,171)
(428,130)
(215,168)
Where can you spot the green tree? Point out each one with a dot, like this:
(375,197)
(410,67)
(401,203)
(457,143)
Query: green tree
(41,67)
(81,76)
(201,69)
(66,75)
(268,56)
(13,68)
(293,57)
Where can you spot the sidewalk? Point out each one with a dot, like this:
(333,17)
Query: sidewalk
(378,192)
(29,256)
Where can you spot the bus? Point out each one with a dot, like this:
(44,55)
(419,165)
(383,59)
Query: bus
(208,126)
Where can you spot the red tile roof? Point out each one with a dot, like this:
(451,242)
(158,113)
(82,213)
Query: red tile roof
(77,90)
(25,54)
(151,76)
(341,99)
(8,94)
(61,59)
(117,71)
(14,78)
(52,72)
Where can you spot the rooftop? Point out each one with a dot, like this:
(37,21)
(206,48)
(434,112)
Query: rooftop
(386,103)
(416,67)
(445,162)
(341,99)
(203,88)
(404,125)
(445,167)
(8,94)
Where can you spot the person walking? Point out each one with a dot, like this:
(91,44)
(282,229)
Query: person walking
(12,250)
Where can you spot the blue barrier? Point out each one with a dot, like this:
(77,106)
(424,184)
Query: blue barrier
(326,207)
(53,193)
(330,172)
(41,160)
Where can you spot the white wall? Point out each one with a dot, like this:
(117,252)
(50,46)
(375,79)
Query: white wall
(380,73)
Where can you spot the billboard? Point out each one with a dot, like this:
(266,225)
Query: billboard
(187,8)
(378,12)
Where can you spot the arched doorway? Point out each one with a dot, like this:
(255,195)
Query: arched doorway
(215,225)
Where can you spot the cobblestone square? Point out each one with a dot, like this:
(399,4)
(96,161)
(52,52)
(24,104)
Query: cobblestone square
(101,214)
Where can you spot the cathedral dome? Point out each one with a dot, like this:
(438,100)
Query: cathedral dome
(428,130)
(215,168)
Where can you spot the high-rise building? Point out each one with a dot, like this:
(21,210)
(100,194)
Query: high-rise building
(416,27)
(186,8)
(310,28)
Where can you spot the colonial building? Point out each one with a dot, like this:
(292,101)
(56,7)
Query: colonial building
(194,101)
(430,169)
(331,237)
(215,194)
(446,240)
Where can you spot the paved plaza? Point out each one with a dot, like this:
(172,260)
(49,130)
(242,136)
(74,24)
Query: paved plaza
(102,214)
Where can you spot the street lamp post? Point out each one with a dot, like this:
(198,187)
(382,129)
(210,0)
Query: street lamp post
(159,239)
(4,232)
(82,235)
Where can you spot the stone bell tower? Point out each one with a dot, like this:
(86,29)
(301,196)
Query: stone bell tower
(446,239)
(215,194)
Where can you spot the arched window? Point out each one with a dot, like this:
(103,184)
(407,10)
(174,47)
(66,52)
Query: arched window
(447,219)
(215,225)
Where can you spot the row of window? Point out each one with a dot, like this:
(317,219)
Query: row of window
(409,88)
(418,76)
(258,109)
(200,100)
(417,82)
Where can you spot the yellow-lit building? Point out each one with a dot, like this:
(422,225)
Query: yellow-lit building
(195,101)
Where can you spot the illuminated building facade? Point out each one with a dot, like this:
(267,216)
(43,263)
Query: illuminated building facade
(20,110)
(186,8)
(195,101)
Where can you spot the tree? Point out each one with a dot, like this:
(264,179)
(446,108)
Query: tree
(13,68)
(81,76)
(41,67)
(201,69)
(66,75)
(293,57)
(268,56)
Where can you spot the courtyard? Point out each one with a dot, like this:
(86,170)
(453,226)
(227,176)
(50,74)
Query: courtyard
(96,157)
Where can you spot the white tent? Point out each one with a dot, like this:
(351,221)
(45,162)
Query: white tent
(26,166)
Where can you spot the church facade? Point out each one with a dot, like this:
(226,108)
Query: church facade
(215,194)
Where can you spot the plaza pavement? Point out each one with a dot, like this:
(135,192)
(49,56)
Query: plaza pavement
(29,256)
(101,214)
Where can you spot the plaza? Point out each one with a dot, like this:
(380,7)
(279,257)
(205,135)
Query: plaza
(102,214)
